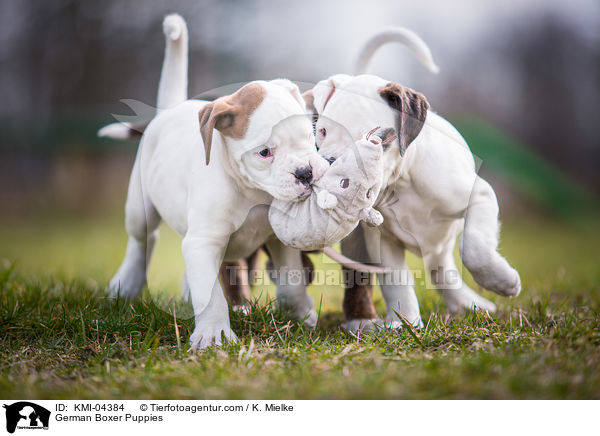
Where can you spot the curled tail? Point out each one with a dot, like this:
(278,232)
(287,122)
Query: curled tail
(395,34)
(173,84)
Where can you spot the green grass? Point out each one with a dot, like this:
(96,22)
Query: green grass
(61,338)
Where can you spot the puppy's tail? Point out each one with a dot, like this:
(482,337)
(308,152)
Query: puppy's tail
(395,34)
(172,87)
(124,130)
(173,84)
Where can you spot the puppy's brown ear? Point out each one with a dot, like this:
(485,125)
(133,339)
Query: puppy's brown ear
(230,114)
(217,115)
(411,110)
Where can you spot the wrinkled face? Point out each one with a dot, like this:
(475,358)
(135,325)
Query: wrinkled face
(278,153)
(286,164)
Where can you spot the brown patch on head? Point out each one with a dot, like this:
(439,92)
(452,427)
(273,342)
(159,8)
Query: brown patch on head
(230,114)
(411,110)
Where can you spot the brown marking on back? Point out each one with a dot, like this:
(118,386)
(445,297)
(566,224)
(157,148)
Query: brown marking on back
(410,111)
(230,114)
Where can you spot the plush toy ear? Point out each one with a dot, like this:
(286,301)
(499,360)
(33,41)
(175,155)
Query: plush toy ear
(230,114)
(325,200)
(371,216)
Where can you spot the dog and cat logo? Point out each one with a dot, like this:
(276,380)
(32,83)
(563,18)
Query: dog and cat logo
(26,415)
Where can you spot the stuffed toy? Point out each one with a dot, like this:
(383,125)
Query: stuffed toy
(343,196)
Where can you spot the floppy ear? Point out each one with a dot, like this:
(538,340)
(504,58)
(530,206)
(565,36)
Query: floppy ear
(292,87)
(371,216)
(325,200)
(324,90)
(230,114)
(309,101)
(411,110)
(217,115)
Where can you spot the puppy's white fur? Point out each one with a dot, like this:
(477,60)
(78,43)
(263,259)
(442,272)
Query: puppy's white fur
(430,195)
(209,205)
(219,208)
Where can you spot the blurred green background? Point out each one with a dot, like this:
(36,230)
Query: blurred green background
(524,98)
(520,81)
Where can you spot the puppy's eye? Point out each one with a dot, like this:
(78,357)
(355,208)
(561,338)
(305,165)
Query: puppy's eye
(323,132)
(344,183)
(265,153)
(369,193)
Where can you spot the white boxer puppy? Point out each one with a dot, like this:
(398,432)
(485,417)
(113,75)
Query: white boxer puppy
(210,170)
(431,193)
(207,169)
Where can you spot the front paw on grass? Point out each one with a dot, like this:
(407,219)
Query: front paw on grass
(200,341)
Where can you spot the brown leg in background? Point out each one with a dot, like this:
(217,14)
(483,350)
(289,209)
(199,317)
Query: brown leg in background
(234,278)
(358,296)
(309,269)
(358,286)
(253,265)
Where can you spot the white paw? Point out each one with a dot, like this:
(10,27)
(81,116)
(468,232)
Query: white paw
(393,324)
(507,284)
(362,325)
(206,336)
(301,308)
(503,280)
(392,321)
(515,289)
(126,286)
(466,299)
(310,319)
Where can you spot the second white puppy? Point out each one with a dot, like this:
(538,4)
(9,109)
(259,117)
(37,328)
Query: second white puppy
(431,194)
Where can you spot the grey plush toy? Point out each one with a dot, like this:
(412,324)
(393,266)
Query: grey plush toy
(342,197)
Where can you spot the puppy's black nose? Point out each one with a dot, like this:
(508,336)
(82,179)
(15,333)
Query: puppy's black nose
(304,175)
